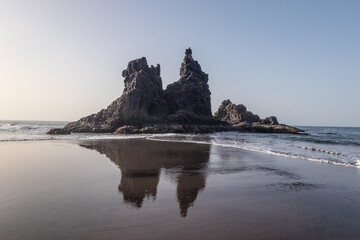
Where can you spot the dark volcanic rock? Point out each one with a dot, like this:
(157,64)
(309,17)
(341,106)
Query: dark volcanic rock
(234,114)
(58,131)
(191,93)
(242,120)
(270,120)
(175,128)
(142,101)
(276,128)
(182,107)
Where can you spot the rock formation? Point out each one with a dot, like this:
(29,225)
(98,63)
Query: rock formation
(270,120)
(58,131)
(242,120)
(141,101)
(234,114)
(191,93)
(184,106)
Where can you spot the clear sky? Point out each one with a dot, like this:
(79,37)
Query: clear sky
(297,60)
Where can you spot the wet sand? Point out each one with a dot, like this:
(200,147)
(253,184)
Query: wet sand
(144,189)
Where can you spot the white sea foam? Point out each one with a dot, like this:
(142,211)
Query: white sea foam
(341,147)
(265,144)
(324,151)
(109,137)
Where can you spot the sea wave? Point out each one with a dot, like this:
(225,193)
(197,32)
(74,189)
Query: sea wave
(26,139)
(332,142)
(339,148)
(22,128)
(8,127)
(324,151)
(234,144)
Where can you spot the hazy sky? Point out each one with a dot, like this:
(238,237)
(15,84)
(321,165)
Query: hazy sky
(297,60)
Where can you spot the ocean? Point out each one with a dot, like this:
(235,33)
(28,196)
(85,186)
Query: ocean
(329,145)
(206,186)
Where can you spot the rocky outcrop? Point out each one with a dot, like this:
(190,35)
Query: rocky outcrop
(270,120)
(183,107)
(175,128)
(142,101)
(191,93)
(274,128)
(242,120)
(234,114)
(144,105)
(58,131)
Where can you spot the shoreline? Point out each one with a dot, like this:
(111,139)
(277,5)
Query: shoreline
(113,188)
(152,137)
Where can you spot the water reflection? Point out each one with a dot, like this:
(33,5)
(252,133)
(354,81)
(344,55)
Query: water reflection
(141,161)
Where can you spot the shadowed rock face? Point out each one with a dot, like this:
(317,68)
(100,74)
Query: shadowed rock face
(143,90)
(233,114)
(145,103)
(270,120)
(183,107)
(141,162)
(58,131)
(140,101)
(191,93)
(245,121)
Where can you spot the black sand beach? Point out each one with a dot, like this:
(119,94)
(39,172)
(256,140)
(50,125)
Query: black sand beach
(146,189)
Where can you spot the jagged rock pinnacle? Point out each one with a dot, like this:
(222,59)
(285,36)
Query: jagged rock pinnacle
(184,106)
(191,93)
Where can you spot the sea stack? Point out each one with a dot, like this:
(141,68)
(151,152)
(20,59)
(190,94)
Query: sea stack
(191,93)
(141,101)
(183,107)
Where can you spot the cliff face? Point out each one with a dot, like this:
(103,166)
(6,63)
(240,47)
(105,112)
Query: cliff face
(145,103)
(143,92)
(184,106)
(191,93)
(142,100)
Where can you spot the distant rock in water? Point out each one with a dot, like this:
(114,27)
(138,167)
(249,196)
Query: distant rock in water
(234,114)
(242,120)
(270,120)
(58,131)
(183,107)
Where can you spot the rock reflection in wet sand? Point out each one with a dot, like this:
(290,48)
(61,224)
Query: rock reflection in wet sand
(141,161)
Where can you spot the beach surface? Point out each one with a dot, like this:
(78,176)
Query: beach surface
(149,189)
